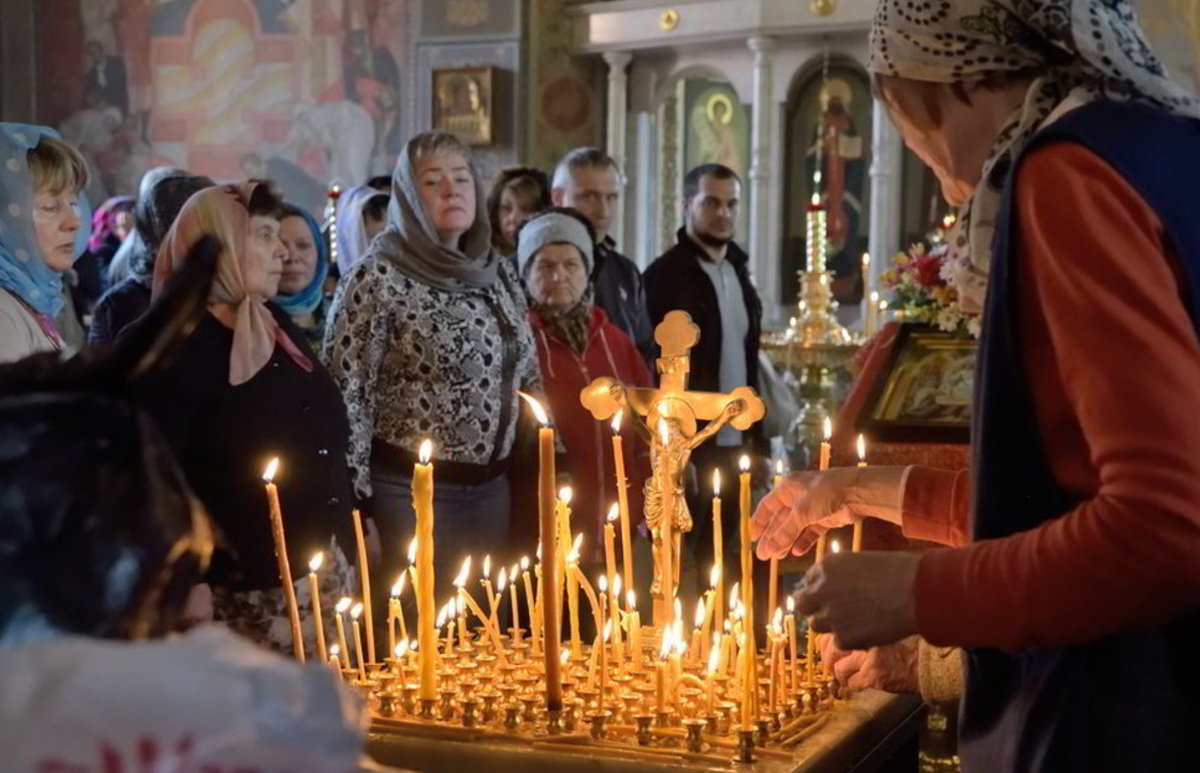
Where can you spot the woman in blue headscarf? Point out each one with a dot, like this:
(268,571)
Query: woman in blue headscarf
(301,287)
(43,230)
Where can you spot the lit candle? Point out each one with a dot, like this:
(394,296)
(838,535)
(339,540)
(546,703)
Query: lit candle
(773,582)
(712,602)
(623,502)
(718,548)
(635,629)
(614,579)
(516,607)
(335,661)
(868,286)
(489,626)
(826,450)
(364,574)
(856,542)
(791,632)
(660,673)
(314,592)
(675,659)
(776,649)
(355,611)
(604,657)
(749,675)
(450,620)
(614,616)
(726,649)
(573,597)
(873,314)
(398,594)
(460,586)
(666,560)
(486,581)
(339,611)
(422,493)
(412,571)
(534,631)
(550,614)
(501,585)
(593,600)
(697,635)
(714,663)
(285,571)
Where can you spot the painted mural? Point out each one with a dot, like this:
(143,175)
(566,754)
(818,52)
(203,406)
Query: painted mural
(303,91)
(717,132)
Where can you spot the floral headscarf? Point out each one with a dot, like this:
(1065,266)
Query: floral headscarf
(23,272)
(1084,50)
(224,212)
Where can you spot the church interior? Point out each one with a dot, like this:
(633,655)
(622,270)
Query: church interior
(790,386)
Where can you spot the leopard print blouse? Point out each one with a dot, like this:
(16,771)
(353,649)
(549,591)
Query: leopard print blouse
(416,362)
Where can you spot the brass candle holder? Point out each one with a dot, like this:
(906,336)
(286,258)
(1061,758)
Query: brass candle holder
(468,705)
(762,731)
(695,734)
(597,720)
(427,708)
(745,747)
(554,724)
(644,736)
(530,702)
(448,696)
(512,718)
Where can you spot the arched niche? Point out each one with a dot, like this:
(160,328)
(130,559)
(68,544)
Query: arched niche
(846,163)
(701,119)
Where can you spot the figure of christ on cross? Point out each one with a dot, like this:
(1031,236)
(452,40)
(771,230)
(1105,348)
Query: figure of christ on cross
(678,411)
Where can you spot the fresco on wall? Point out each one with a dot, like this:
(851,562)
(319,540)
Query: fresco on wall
(717,132)
(302,91)
(565,105)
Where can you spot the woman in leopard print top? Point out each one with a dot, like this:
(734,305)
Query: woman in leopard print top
(428,339)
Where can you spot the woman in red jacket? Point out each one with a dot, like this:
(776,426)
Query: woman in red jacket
(576,343)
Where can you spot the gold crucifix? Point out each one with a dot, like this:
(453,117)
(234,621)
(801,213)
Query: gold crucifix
(668,417)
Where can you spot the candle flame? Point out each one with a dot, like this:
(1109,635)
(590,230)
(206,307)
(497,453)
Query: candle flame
(315,562)
(616,422)
(343,604)
(272,468)
(356,610)
(728,627)
(874,297)
(441,618)
(452,608)
(607,629)
(828,429)
(678,609)
(574,555)
(564,656)
(680,642)
(412,551)
(778,466)
(487,567)
(602,584)
(334,650)
(791,605)
(565,494)
(616,586)
(744,463)
(862,448)
(866,259)
(539,551)
(778,616)
(700,613)
(538,411)
(716,482)
(733,595)
(714,577)
(402,648)
(503,579)
(525,563)
(714,655)
(398,586)
(463,574)
(664,432)
(613,513)
(667,643)
(631,597)
(883,305)
(425,452)
(834,547)
(816,197)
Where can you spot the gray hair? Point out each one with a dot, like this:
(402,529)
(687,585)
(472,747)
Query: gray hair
(583,158)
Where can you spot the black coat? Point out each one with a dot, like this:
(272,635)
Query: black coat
(675,281)
(224,436)
(119,307)
(619,291)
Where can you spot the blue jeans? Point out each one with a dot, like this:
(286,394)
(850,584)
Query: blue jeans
(467,520)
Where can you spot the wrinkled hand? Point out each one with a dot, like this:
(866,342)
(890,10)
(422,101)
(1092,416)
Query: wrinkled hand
(891,668)
(807,504)
(863,599)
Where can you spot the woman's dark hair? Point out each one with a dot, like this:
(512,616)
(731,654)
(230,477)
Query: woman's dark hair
(376,207)
(265,201)
(531,187)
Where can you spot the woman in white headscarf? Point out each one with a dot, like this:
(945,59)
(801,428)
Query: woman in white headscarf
(1074,586)
(427,339)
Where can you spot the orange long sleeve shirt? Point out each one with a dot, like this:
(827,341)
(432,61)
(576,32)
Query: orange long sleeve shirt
(1114,366)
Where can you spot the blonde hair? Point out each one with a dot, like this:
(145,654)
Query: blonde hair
(435,143)
(56,167)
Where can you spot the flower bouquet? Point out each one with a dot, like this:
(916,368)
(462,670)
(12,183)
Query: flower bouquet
(921,282)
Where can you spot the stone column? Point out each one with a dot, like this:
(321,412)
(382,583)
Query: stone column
(886,192)
(618,112)
(762,131)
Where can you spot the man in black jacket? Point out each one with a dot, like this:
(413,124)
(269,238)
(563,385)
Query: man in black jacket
(706,274)
(589,181)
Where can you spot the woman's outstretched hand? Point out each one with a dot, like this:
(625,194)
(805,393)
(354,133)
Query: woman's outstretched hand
(807,504)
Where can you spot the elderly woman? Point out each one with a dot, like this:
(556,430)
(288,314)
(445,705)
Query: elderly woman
(428,340)
(362,215)
(111,223)
(518,193)
(305,267)
(163,193)
(42,232)
(243,389)
(576,343)
(1075,162)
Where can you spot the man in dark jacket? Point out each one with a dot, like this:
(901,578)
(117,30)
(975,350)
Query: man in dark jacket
(589,181)
(706,274)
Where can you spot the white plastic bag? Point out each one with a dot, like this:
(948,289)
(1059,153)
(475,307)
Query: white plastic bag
(207,702)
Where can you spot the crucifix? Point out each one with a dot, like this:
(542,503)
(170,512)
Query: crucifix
(666,419)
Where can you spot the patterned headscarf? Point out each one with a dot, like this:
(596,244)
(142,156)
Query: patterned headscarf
(224,212)
(1085,50)
(23,272)
(308,299)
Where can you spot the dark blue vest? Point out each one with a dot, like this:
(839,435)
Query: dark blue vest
(1130,702)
